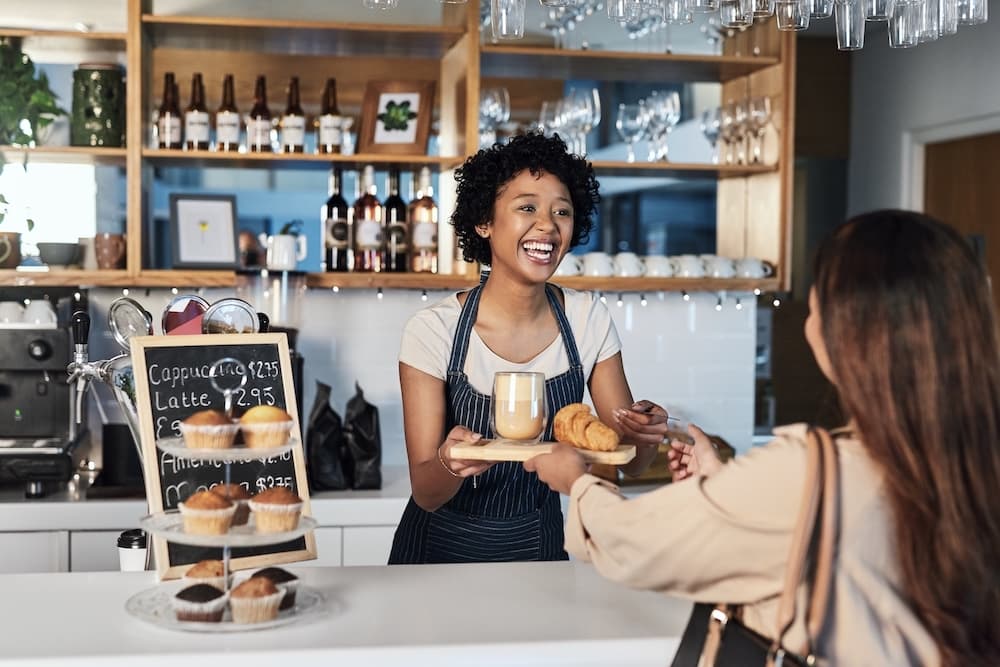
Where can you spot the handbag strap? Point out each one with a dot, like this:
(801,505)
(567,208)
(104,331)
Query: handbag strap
(821,485)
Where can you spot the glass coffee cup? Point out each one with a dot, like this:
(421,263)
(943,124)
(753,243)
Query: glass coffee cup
(518,411)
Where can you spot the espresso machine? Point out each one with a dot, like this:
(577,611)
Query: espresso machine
(41,443)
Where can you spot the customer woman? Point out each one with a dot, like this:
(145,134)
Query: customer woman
(521,207)
(901,321)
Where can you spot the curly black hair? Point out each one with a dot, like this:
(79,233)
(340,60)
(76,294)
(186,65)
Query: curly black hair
(483,176)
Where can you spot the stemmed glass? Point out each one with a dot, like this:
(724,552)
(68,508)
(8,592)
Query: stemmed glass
(710,127)
(664,113)
(632,122)
(494,110)
(759,117)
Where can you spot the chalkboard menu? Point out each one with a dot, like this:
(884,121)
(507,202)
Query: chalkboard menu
(173,381)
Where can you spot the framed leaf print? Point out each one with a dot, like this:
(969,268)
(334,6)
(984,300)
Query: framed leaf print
(396,117)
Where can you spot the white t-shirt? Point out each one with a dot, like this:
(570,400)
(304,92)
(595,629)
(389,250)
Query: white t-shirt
(429,334)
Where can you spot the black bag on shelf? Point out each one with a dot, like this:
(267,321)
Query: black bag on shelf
(329,463)
(364,441)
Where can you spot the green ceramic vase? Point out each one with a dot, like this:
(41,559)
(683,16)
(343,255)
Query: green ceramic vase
(98,117)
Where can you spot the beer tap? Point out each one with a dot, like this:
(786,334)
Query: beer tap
(81,370)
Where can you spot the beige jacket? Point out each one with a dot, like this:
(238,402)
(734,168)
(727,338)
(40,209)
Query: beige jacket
(726,538)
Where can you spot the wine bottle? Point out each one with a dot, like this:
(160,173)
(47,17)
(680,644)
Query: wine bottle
(259,124)
(293,122)
(330,122)
(196,127)
(337,226)
(227,119)
(397,240)
(168,124)
(423,217)
(368,222)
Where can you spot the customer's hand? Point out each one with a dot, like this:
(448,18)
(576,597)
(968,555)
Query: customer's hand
(560,469)
(687,460)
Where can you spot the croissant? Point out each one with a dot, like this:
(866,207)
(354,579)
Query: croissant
(576,425)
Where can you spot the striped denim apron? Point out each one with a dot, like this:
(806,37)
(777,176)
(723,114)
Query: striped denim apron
(508,514)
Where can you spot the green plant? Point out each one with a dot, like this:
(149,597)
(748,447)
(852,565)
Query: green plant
(397,116)
(292,228)
(5,207)
(27,103)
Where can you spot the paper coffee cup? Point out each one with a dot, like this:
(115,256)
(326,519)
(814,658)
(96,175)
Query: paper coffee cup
(132,551)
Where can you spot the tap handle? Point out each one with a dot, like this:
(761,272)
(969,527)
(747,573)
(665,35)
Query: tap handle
(80,325)
(263,323)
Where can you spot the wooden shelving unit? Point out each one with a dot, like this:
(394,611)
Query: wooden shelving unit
(754,201)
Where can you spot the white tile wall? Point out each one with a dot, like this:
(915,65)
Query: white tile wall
(685,355)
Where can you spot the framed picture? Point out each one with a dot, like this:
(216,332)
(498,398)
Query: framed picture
(203,231)
(396,117)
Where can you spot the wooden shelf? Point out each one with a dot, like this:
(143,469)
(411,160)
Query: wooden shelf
(531,62)
(66,154)
(301,37)
(64,278)
(184,278)
(357,161)
(681,170)
(68,40)
(429,281)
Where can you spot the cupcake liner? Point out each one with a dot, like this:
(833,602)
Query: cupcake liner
(210,612)
(255,609)
(273,518)
(215,436)
(267,435)
(290,588)
(207,522)
(242,514)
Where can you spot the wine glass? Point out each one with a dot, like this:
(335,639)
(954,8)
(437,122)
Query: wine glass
(760,116)
(631,124)
(710,127)
(518,408)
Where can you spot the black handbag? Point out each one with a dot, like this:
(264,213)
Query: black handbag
(715,636)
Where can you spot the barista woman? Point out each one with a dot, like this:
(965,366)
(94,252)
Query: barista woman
(520,208)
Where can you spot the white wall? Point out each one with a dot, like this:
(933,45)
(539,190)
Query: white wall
(895,91)
(682,354)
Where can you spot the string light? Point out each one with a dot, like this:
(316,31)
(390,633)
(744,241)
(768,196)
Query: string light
(621,301)
(76,296)
(173,290)
(423,295)
(125,292)
(777,302)
(642,300)
(27,302)
(718,304)
(739,306)
(604,299)
(756,291)
(335,289)
(685,295)
(378,294)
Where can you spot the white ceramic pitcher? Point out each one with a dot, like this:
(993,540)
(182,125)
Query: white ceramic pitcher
(284,251)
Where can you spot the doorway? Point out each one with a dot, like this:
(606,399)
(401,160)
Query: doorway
(960,181)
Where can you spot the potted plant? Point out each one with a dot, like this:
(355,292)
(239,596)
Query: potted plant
(27,103)
(10,242)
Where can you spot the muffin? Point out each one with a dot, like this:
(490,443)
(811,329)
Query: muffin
(255,600)
(209,429)
(284,580)
(238,495)
(265,426)
(209,572)
(276,510)
(207,513)
(201,603)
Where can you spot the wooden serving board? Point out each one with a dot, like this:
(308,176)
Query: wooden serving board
(511,450)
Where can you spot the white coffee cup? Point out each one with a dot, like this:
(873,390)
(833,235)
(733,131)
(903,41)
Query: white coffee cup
(132,546)
(751,267)
(658,266)
(688,266)
(598,264)
(40,312)
(628,265)
(571,265)
(11,312)
(719,267)
(284,251)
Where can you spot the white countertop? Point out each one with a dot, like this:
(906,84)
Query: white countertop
(474,614)
(71,510)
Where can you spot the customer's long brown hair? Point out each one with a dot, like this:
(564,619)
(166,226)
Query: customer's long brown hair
(908,324)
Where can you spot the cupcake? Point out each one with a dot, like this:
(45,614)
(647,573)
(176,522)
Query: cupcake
(240,496)
(284,580)
(276,510)
(208,429)
(209,572)
(207,513)
(201,603)
(255,600)
(265,426)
